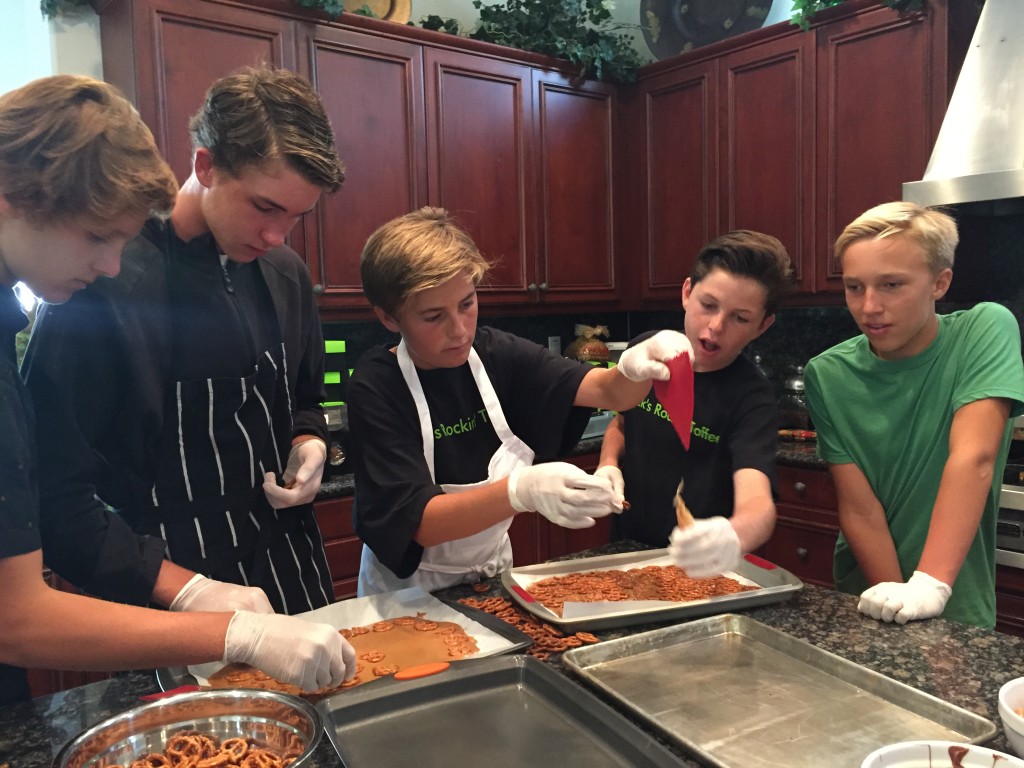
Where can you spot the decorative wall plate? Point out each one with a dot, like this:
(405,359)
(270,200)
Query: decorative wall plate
(389,10)
(676,26)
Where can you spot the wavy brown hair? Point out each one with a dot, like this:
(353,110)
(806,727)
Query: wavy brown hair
(73,148)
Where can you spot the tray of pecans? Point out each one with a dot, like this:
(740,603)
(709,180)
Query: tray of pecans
(640,587)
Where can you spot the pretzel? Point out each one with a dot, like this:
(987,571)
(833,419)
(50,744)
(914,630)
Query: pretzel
(683,517)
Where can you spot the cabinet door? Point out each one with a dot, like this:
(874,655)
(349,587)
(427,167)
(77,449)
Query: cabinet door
(164,54)
(574,131)
(678,140)
(372,89)
(880,101)
(479,120)
(343,547)
(766,93)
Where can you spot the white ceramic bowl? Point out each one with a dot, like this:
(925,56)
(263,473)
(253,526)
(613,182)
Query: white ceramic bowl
(276,720)
(935,754)
(1011,696)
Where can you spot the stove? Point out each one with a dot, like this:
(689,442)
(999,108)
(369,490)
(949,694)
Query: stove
(1010,522)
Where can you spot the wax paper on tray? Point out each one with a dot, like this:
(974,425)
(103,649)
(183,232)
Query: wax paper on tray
(575,610)
(360,611)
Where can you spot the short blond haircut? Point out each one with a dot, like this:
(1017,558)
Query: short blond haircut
(932,230)
(416,252)
(74,149)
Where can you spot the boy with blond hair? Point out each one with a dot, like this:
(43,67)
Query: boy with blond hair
(913,417)
(447,425)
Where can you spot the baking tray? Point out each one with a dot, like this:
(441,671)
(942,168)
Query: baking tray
(501,636)
(739,694)
(776,584)
(502,711)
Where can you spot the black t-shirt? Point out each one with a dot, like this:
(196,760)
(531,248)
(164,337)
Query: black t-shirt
(734,427)
(19,497)
(536,390)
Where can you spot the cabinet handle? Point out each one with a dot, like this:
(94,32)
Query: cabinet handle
(543,286)
(532,287)
(318,290)
(799,487)
(801,552)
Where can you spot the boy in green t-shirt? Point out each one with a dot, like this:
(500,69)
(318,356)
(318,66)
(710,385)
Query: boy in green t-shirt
(913,417)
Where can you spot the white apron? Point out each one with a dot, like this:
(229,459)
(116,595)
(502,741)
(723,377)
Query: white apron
(486,553)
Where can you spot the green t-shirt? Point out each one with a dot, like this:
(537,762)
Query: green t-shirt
(893,418)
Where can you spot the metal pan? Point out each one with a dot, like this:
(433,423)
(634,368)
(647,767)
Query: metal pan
(776,584)
(739,694)
(504,638)
(505,711)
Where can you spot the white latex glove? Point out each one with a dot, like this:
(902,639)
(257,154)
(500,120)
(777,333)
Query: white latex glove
(709,547)
(647,359)
(203,594)
(311,656)
(562,492)
(301,477)
(921,597)
(614,476)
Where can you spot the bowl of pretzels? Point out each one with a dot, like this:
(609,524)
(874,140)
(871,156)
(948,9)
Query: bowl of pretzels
(202,729)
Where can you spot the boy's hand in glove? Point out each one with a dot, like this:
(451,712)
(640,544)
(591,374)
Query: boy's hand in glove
(311,656)
(705,548)
(647,359)
(921,597)
(562,492)
(203,594)
(614,476)
(301,477)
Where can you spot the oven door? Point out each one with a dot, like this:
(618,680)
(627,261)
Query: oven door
(1010,527)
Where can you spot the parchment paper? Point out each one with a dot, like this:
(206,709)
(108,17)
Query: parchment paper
(360,611)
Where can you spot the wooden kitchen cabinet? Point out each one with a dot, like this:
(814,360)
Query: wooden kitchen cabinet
(766,144)
(575,204)
(372,90)
(521,155)
(790,133)
(343,547)
(884,81)
(672,131)
(807,526)
(480,159)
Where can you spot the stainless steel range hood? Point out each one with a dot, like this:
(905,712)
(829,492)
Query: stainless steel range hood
(979,153)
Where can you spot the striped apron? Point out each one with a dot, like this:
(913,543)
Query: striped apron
(207,501)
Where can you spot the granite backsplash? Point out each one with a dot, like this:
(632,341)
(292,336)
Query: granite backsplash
(797,335)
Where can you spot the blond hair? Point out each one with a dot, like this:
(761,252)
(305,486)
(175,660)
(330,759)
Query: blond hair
(932,230)
(416,252)
(261,113)
(74,148)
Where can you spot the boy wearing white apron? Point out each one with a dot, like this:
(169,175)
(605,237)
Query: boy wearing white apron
(447,425)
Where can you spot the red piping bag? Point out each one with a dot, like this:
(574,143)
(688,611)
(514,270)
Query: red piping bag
(676,396)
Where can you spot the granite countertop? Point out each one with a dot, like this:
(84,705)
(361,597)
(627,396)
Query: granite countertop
(960,664)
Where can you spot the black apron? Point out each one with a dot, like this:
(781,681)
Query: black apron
(207,501)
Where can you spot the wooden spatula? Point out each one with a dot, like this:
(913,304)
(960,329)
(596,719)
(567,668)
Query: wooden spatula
(683,517)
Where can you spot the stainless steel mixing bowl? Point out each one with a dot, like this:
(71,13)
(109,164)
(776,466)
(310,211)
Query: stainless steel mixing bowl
(277,721)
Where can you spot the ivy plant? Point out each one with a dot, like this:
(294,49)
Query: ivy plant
(580,31)
(804,10)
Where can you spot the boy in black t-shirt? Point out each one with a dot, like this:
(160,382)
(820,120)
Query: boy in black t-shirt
(729,300)
(448,424)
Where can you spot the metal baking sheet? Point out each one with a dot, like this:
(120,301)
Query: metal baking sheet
(507,711)
(493,635)
(775,585)
(739,694)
